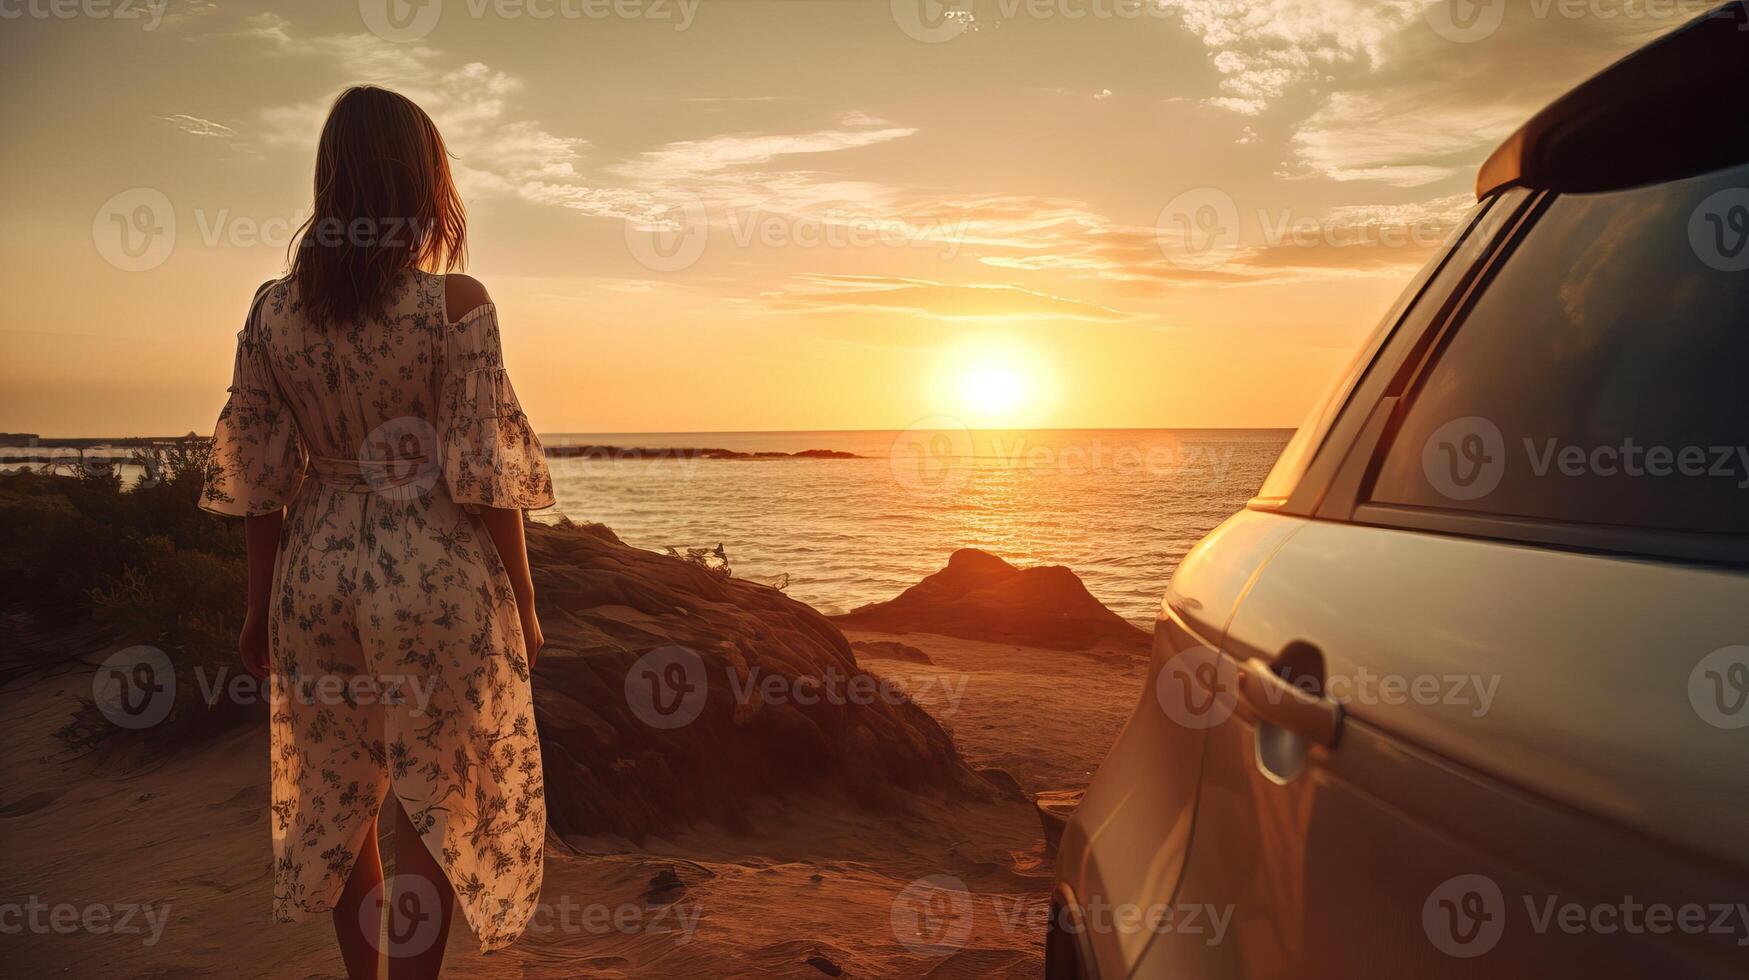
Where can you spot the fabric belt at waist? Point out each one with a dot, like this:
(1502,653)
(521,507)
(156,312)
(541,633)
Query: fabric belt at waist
(374,475)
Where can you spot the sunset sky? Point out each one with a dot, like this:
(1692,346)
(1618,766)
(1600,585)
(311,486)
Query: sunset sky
(783,214)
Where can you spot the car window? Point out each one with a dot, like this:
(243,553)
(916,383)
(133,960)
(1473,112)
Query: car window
(1602,377)
(1464,246)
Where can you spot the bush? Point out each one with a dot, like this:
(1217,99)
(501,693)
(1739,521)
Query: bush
(146,562)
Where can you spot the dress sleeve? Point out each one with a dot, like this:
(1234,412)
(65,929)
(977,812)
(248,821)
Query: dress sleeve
(491,456)
(258,459)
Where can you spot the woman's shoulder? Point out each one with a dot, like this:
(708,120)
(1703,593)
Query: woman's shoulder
(272,298)
(462,296)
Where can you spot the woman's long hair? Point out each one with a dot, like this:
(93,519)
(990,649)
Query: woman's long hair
(385,204)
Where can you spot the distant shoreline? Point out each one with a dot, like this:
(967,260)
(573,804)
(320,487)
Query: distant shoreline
(29,448)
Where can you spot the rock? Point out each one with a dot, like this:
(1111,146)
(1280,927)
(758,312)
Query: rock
(890,650)
(1055,807)
(1007,787)
(604,605)
(978,596)
(665,886)
(825,965)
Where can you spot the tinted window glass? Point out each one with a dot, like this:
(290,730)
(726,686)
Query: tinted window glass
(1464,247)
(1603,376)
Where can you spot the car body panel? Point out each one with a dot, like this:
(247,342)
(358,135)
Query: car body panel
(1129,836)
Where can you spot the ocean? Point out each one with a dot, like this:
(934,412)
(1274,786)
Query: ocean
(1118,506)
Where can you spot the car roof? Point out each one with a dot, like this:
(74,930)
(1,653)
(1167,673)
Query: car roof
(1672,109)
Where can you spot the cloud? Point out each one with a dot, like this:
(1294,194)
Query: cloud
(932,300)
(1262,50)
(500,154)
(1391,99)
(196,126)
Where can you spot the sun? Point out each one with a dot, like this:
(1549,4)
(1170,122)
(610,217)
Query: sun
(993,392)
(993,380)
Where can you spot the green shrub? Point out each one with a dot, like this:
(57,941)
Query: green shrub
(145,562)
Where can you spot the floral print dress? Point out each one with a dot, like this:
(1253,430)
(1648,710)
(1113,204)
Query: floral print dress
(396,650)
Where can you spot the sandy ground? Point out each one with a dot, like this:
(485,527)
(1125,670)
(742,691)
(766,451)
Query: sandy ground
(119,864)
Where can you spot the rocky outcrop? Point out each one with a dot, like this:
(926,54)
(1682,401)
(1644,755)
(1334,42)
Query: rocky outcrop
(978,596)
(670,693)
(890,650)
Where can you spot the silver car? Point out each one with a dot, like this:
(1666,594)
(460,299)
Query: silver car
(1465,690)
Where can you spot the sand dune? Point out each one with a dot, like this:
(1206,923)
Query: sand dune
(804,860)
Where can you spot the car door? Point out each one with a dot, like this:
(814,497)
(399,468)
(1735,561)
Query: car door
(1127,843)
(1492,692)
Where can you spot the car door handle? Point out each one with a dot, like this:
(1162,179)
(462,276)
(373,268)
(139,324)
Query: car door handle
(1310,716)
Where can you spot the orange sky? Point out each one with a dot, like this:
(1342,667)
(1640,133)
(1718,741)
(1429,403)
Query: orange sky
(782,215)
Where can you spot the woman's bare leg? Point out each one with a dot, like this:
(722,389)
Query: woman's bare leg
(356,923)
(419,914)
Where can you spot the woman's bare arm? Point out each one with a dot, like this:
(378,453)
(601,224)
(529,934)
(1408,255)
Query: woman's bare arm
(505,527)
(261,542)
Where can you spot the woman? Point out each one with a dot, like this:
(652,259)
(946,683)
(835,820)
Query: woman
(375,446)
